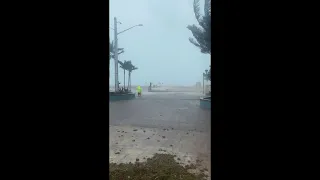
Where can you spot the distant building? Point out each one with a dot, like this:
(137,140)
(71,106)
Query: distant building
(198,85)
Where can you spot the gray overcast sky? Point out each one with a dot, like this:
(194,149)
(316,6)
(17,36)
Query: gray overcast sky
(160,48)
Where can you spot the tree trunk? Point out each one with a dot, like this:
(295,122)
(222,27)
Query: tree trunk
(129,80)
(124,78)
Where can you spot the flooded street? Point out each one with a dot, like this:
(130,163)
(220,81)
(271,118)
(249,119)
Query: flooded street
(160,122)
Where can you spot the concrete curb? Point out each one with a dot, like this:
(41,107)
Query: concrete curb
(119,97)
(205,103)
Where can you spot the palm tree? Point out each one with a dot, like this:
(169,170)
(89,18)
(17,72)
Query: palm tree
(130,69)
(202,34)
(111,50)
(112,54)
(207,74)
(125,66)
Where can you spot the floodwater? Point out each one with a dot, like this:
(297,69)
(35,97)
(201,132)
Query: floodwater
(161,122)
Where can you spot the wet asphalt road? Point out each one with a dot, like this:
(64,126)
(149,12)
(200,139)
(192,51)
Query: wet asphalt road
(164,122)
(155,110)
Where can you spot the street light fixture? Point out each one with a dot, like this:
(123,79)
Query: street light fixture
(130,28)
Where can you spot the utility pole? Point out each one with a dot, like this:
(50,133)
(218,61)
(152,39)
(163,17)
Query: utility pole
(116,51)
(116,55)
(203,82)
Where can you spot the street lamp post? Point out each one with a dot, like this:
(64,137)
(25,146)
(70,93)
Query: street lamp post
(116,51)
(203,82)
(205,77)
(116,87)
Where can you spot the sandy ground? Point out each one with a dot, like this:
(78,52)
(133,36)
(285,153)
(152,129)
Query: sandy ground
(164,122)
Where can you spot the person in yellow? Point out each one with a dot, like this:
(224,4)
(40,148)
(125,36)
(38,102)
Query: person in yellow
(139,90)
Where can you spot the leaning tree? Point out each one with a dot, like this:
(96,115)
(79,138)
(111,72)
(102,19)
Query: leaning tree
(130,69)
(202,33)
(209,74)
(112,49)
(206,75)
(112,53)
(125,66)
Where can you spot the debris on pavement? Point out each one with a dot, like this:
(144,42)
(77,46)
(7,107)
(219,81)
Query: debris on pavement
(160,166)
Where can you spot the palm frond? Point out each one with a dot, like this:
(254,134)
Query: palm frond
(112,49)
(120,62)
(196,9)
(120,51)
(207,8)
(132,67)
(200,39)
(194,42)
(202,34)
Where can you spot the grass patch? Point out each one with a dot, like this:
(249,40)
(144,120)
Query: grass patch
(159,167)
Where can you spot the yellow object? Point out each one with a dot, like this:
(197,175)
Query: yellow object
(139,89)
